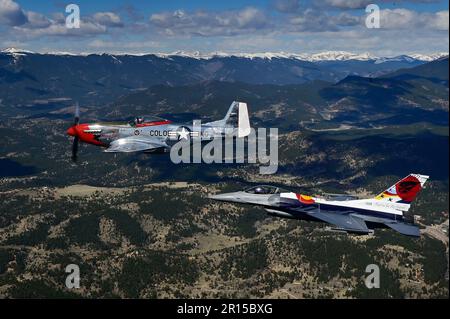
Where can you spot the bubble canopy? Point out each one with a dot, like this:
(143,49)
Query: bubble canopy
(145,119)
(264,190)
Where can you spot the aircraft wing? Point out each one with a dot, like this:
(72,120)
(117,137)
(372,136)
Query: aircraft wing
(345,222)
(135,144)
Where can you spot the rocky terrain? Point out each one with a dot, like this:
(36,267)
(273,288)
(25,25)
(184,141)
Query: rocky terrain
(168,241)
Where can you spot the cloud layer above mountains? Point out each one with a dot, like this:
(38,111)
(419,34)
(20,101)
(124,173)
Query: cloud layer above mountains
(279,25)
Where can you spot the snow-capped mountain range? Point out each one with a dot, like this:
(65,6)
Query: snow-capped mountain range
(315,57)
(100,78)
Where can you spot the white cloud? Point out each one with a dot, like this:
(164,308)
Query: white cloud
(361,4)
(34,25)
(108,19)
(38,25)
(408,19)
(102,44)
(11,13)
(245,44)
(87,28)
(440,21)
(319,21)
(37,20)
(347,4)
(382,42)
(286,6)
(205,23)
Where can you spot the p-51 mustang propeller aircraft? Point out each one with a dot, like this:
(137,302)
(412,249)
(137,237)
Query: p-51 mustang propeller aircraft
(151,135)
(344,212)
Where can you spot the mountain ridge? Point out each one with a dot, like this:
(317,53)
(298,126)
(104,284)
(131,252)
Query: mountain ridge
(310,57)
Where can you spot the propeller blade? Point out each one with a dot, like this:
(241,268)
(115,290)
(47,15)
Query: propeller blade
(76,121)
(77,114)
(75,148)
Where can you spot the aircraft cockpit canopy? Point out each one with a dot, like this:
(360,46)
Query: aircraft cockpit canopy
(264,190)
(145,119)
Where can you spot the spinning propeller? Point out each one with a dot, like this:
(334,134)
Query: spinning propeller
(73,131)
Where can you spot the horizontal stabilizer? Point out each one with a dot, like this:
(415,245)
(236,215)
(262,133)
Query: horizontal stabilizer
(405,229)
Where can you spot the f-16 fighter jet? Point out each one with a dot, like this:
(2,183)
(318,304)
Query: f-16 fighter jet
(345,213)
(151,135)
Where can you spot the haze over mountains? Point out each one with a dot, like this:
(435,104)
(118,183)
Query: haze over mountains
(100,78)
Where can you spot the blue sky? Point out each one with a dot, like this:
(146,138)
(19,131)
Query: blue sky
(148,7)
(232,26)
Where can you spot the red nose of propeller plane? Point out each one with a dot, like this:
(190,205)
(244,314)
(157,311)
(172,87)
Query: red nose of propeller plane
(72,131)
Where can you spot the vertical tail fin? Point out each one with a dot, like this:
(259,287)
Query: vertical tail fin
(404,191)
(236,117)
(243,121)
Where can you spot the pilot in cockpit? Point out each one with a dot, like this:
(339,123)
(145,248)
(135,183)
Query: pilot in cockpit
(138,120)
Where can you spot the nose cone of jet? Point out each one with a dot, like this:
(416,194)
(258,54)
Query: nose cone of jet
(72,131)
